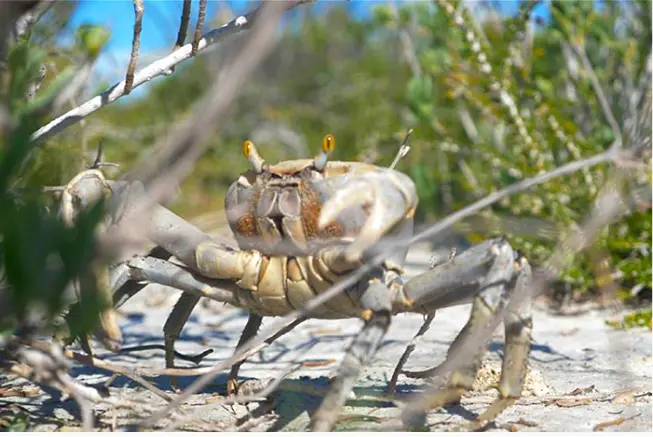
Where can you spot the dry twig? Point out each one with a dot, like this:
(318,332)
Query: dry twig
(183,25)
(199,27)
(100,364)
(136,44)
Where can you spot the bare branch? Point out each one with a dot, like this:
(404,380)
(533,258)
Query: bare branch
(100,364)
(195,359)
(183,26)
(31,17)
(136,44)
(199,27)
(158,68)
(10,15)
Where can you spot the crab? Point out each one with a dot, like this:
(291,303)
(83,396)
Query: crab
(304,225)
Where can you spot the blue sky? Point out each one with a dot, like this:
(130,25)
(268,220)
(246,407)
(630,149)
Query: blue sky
(161,21)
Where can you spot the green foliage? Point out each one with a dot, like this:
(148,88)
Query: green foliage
(638,319)
(39,254)
(499,104)
(17,423)
(91,39)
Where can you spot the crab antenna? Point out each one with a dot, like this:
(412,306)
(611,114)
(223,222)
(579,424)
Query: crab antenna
(328,144)
(403,150)
(250,152)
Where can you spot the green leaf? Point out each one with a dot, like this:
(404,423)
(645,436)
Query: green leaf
(91,38)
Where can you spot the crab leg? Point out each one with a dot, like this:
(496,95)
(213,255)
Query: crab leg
(492,273)
(392,385)
(251,328)
(157,271)
(518,325)
(377,315)
(180,313)
(173,326)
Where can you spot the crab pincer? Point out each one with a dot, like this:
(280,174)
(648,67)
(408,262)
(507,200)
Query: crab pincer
(383,197)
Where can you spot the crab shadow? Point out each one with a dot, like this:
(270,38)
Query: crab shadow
(291,406)
(280,354)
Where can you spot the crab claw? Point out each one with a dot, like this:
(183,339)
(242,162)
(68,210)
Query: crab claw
(387,198)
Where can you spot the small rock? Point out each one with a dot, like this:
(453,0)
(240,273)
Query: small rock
(62,414)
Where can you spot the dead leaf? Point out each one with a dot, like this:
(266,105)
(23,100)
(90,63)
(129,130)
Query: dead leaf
(570,332)
(568,403)
(318,363)
(9,392)
(601,426)
(523,422)
(581,391)
(31,391)
(19,392)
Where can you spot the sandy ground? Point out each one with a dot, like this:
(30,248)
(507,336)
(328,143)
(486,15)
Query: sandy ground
(583,374)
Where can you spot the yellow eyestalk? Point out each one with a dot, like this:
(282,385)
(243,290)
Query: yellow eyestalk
(247,148)
(250,152)
(328,144)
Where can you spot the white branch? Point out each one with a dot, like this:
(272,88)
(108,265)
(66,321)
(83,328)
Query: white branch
(155,69)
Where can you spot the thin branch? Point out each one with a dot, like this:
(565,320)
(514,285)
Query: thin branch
(598,89)
(136,44)
(31,17)
(101,364)
(155,69)
(183,25)
(248,349)
(199,27)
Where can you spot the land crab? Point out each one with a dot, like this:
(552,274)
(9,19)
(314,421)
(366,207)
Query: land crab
(302,226)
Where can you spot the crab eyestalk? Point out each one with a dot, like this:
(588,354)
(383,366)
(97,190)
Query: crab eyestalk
(328,143)
(250,152)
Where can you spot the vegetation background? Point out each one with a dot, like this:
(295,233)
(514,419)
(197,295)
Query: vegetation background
(492,97)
